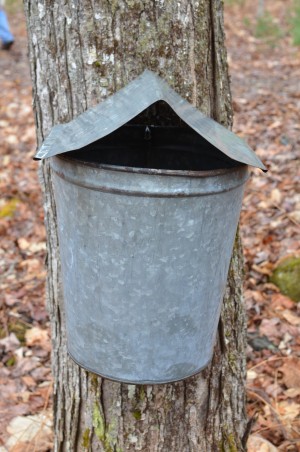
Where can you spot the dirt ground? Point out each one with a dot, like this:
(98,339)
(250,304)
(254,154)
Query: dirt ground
(265,73)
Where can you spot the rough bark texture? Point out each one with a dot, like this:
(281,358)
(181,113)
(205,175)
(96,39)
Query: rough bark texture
(80,52)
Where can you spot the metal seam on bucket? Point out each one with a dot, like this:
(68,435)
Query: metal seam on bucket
(140,193)
(244,175)
(149,171)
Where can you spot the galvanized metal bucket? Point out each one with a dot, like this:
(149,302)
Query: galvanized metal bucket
(145,251)
(146,220)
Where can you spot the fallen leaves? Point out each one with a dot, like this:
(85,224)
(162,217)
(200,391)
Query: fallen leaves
(291,373)
(288,410)
(259,444)
(291,317)
(9,343)
(30,433)
(8,208)
(31,248)
(25,376)
(281,302)
(37,336)
(265,84)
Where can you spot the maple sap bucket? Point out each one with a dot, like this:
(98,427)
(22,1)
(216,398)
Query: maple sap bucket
(146,219)
(145,251)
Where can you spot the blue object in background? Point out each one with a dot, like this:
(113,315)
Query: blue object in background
(5,33)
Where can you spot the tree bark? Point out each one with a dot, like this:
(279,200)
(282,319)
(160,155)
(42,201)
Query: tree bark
(81,52)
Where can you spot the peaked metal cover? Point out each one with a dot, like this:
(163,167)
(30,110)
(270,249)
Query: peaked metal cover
(118,109)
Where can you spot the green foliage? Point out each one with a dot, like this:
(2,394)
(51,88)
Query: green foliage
(11,361)
(19,328)
(287,276)
(9,208)
(247,22)
(2,333)
(12,6)
(266,28)
(235,2)
(295,23)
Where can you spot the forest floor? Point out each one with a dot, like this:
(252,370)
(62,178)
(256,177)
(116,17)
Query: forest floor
(266,98)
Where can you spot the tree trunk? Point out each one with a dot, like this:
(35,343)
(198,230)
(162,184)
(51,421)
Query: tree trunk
(81,52)
(260,8)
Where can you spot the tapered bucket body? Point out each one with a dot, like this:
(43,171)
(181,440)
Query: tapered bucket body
(146,236)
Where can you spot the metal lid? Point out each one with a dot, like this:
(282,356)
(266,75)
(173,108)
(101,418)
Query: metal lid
(118,109)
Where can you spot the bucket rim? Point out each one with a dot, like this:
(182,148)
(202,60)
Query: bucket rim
(153,171)
(140,382)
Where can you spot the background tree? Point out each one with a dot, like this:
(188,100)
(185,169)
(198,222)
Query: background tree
(260,8)
(81,52)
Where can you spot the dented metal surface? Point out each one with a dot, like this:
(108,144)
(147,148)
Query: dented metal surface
(145,257)
(126,104)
